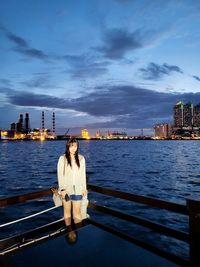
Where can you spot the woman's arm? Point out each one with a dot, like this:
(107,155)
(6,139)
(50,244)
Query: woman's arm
(60,176)
(84,183)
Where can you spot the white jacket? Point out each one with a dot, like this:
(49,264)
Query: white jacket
(72,179)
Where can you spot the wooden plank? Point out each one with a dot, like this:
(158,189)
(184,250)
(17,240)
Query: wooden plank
(24,198)
(178,208)
(142,222)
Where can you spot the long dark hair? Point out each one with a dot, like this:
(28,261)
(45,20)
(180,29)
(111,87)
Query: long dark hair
(67,153)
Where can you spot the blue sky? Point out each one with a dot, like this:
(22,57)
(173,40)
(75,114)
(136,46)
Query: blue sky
(113,64)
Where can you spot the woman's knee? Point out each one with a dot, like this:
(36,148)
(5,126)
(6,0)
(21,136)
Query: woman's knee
(77,211)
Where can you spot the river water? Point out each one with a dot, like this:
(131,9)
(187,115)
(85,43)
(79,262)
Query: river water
(167,170)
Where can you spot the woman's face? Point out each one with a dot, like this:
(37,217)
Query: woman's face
(73,148)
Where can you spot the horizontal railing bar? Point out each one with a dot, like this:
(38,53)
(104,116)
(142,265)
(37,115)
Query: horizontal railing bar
(34,234)
(30,234)
(171,257)
(106,191)
(24,198)
(178,208)
(142,222)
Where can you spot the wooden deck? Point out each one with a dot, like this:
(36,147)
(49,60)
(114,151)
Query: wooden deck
(94,247)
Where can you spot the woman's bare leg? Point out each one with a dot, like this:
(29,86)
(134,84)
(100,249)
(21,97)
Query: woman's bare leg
(67,212)
(76,205)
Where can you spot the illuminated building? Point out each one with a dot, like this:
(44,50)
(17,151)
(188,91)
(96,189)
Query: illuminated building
(196,118)
(6,135)
(84,134)
(188,115)
(178,115)
(21,130)
(98,134)
(118,135)
(162,130)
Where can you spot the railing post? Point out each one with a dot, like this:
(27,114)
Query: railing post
(194,231)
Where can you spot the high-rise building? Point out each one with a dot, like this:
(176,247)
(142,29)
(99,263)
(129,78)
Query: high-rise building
(196,116)
(188,115)
(178,115)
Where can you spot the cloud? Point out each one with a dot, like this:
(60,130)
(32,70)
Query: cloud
(119,106)
(117,42)
(196,78)
(5,82)
(32,53)
(84,66)
(40,81)
(32,100)
(22,46)
(17,40)
(89,71)
(156,72)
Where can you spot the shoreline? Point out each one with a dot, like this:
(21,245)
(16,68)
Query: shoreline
(98,139)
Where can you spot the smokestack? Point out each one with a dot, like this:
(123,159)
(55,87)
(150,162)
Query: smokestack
(20,128)
(43,121)
(53,122)
(27,126)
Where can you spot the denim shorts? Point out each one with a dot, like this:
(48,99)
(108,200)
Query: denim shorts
(75,197)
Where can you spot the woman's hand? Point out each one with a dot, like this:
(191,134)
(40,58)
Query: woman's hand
(63,193)
(55,191)
(84,193)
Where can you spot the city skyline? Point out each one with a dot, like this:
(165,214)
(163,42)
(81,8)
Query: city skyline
(116,64)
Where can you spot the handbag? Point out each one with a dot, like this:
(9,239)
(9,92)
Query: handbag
(57,199)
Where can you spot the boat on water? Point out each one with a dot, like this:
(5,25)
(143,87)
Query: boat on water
(97,243)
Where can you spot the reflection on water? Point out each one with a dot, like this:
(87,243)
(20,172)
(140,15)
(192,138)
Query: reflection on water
(168,170)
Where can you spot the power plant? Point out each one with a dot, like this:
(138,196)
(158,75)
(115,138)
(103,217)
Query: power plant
(22,129)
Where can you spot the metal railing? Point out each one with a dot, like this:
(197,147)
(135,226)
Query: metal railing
(191,209)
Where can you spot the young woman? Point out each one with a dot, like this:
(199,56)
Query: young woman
(71,172)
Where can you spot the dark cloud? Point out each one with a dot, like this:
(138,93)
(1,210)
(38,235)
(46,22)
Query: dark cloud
(118,42)
(156,72)
(32,53)
(17,40)
(121,106)
(196,78)
(22,47)
(29,99)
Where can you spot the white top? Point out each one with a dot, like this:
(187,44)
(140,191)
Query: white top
(72,179)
